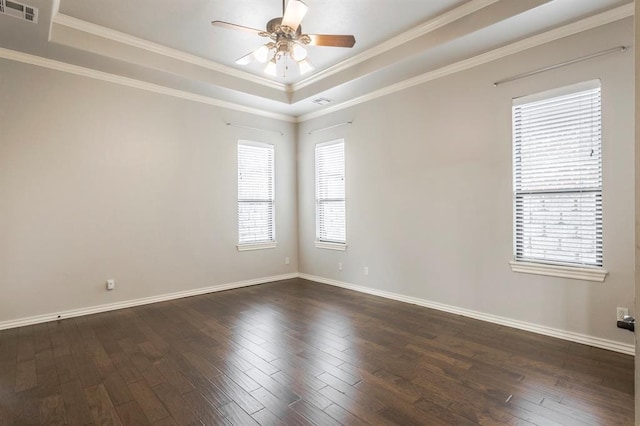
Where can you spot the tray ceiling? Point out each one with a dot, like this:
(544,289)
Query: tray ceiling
(172,43)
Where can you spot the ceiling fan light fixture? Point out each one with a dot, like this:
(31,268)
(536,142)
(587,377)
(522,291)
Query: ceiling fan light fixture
(286,41)
(270,69)
(261,54)
(298,53)
(305,66)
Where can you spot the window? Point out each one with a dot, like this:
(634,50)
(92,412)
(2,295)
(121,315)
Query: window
(256,228)
(557,176)
(330,196)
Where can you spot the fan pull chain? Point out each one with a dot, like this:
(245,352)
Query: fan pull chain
(286,67)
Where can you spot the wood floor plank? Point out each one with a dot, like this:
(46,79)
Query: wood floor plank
(148,401)
(237,415)
(41,338)
(265,417)
(131,414)
(174,376)
(313,413)
(59,343)
(27,409)
(364,408)
(204,409)
(101,406)
(305,389)
(237,394)
(47,374)
(75,403)
(66,368)
(26,346)
(125,368)
(176,405)
(342,416)
(52,410)
(301,353)
(116,388)
(26,375)
(274,405)
(281,392)
(7,408)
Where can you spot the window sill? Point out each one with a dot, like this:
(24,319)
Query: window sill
(331,246)
(256,246)
(573,272)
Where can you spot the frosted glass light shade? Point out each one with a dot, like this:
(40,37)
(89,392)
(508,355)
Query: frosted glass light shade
(298,53)
(270,69)
(305,66)
(261,54)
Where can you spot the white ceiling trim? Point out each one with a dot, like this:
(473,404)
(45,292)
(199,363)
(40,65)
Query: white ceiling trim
(537,40)
(104,32)
(591,22)
(138,84)
(418,31)
(415,32)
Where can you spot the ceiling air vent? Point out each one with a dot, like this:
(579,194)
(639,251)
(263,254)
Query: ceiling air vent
(321,101)
(19,10)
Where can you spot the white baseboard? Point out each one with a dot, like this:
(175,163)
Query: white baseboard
(137,302)
(535,328)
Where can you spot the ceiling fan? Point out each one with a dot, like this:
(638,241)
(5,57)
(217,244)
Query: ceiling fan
(287,39)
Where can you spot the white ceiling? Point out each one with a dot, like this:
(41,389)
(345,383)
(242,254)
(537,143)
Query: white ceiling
(171,43)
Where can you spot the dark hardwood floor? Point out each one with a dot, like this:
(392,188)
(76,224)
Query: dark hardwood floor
(298,353)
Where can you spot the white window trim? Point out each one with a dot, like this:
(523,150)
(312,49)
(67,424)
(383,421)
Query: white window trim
(573,272)
(261,245)
(330,246)
(256,246)
(560,91)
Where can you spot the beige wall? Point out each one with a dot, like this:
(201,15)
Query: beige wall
(429,192)
(102,181)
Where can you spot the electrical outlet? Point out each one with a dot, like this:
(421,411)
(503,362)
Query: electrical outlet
(339,266)
(286,260)
(366,270)
(621,312)
(111,284)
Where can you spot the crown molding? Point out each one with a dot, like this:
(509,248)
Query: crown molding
(589,23)
(595,21)
(120,37)
(415,32)
(138,84)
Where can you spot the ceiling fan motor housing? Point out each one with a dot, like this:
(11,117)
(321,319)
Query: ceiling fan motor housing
(275,26)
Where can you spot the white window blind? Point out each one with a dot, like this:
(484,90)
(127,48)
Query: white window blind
(558,177)
(255,193)
(330,192)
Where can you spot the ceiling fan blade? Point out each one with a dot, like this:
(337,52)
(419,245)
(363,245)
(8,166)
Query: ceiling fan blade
(333,40)
(230,26)
(294,14)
